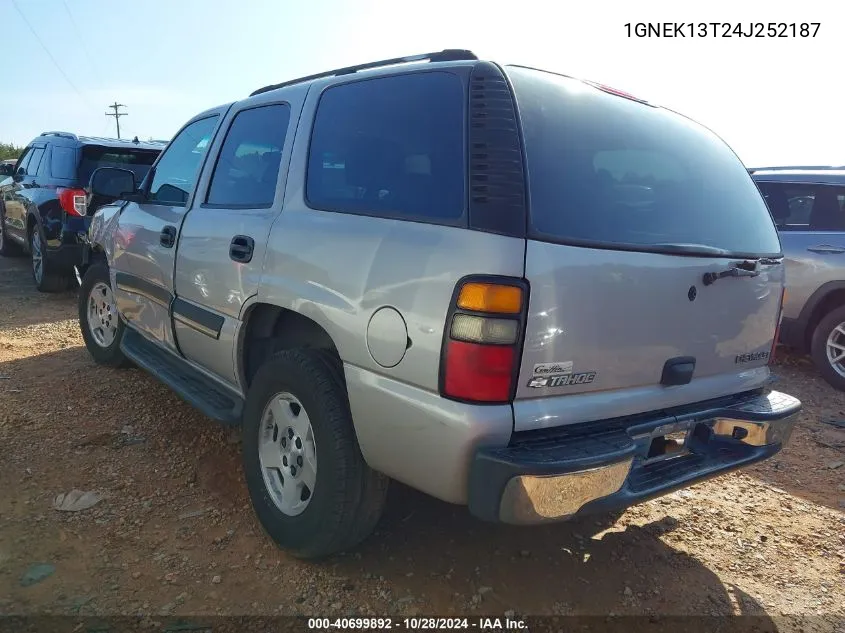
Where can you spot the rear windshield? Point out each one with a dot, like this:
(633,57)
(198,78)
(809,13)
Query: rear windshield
(135,160)
(606,170)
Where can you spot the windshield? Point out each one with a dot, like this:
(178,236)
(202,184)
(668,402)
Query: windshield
(135,160)
(606,170)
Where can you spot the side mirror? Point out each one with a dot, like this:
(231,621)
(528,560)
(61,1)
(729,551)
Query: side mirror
(111,182)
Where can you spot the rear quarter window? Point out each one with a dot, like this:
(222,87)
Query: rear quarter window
(63,162)
(608,171)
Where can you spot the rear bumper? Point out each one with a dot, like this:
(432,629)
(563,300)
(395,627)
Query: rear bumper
(68,251)
(555,474)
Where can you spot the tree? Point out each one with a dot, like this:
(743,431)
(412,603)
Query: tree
(9,150)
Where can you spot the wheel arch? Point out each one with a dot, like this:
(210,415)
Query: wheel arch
(268,329)
(826,297)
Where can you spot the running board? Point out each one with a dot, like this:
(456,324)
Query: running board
(191,385)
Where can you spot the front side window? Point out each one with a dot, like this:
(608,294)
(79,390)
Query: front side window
(176,173)
(805,207)
(392,146)
(247,167)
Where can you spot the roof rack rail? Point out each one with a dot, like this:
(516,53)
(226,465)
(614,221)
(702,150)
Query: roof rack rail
(446,55)
(69,135)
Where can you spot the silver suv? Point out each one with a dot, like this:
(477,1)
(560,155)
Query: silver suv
(504,287)
(808,206)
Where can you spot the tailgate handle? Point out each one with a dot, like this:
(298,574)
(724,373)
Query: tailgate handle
(678,371)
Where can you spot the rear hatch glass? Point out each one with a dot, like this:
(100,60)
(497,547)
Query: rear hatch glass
(605,170)
(630,207)
(93,157)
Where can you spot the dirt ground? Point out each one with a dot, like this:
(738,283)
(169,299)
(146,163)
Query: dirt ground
(175,534)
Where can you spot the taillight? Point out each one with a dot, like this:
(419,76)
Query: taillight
(481,343)
(777,327)
(73,201)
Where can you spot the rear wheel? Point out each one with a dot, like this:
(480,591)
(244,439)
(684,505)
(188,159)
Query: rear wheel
(828,348)
(312,491)
(46,279)
(102,329)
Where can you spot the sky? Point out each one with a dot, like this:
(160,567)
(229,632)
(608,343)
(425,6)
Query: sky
(776,101)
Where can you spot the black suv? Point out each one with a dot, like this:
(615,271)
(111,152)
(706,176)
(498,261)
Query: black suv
(45,208)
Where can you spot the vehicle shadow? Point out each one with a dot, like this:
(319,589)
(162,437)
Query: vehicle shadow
(576,568)
(803,467)
(429,553)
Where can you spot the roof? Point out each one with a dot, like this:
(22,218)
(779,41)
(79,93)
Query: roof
(71,138)
(810,175)
(113,142)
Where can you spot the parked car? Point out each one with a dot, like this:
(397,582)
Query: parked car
(7,168)
(347,265)
(46,206)
(808,206)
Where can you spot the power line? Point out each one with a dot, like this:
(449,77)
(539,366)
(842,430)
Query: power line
(117,114)
(50,55)
(81,42)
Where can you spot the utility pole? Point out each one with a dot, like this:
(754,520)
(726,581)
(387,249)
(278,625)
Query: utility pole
(117,114)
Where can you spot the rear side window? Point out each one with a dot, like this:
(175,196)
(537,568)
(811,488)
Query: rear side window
(35,161)
(94,157)
(63,162)
(805,207)
(391,147)
(247,168)
(609,171)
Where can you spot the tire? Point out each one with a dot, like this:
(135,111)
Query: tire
(819,346)
(7,247)
(348,496)
(46,279)
(96,287)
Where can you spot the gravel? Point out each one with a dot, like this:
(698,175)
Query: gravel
(174,532)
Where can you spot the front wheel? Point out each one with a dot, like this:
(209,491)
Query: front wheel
(828,348)
(312,491)
(99,321)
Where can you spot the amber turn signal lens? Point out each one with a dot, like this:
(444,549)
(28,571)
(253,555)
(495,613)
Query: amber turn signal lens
(490,298)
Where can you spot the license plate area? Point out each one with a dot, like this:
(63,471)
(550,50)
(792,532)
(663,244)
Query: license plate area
(667,442)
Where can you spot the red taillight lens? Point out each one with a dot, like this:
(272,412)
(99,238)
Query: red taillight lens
(482,345)
(481,373)
(73,201)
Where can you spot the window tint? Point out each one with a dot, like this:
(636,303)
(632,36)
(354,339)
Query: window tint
(23,162)
(35,161)
(95,156)
(248,165)
(63,162)
(608,170)
(390,146)
(176,172)
(810,207)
